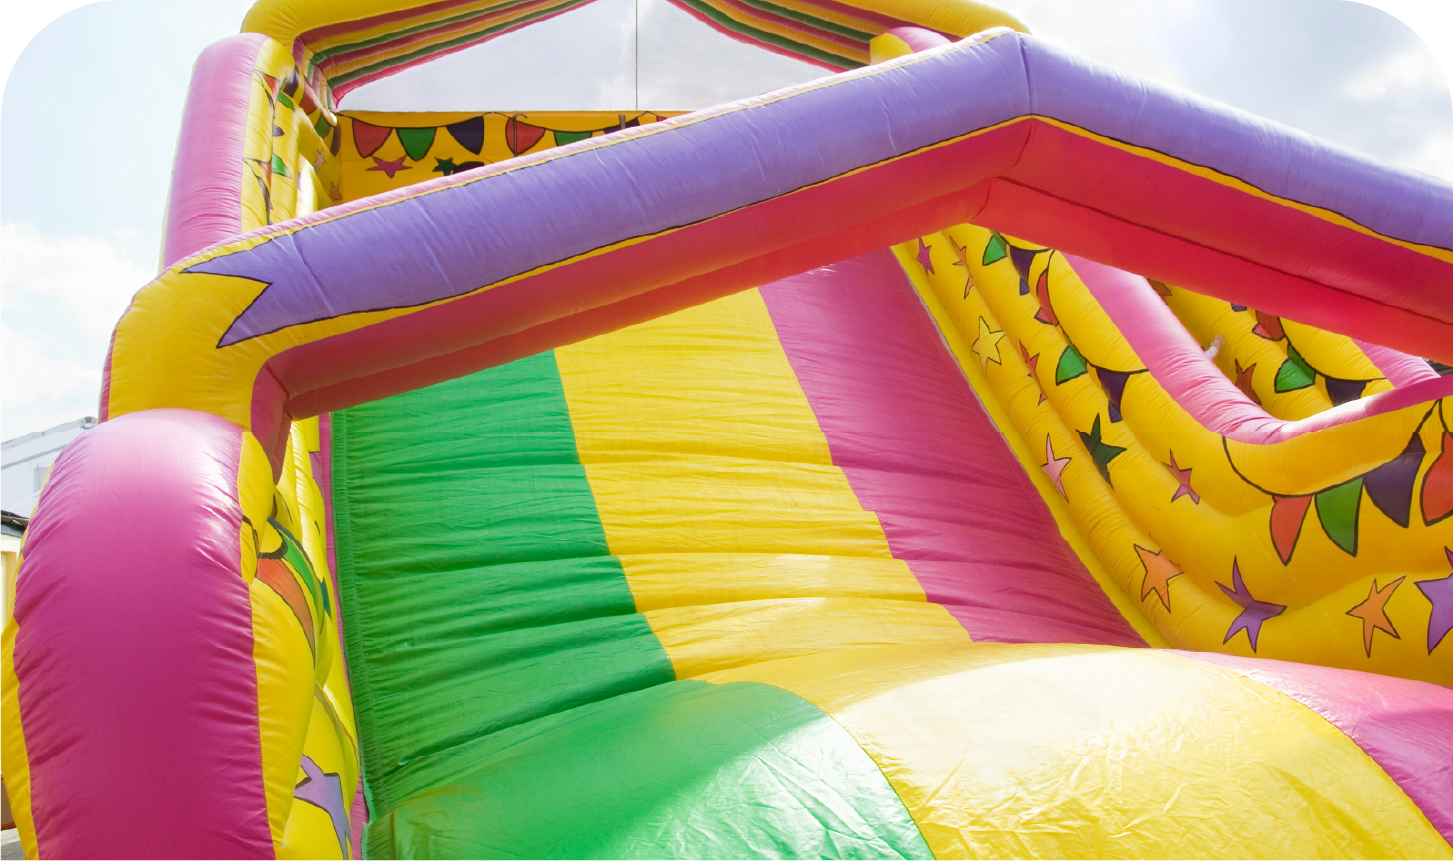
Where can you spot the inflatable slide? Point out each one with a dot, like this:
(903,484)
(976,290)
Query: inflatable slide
(974,452)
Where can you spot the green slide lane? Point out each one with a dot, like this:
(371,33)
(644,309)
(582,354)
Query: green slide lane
(511,701)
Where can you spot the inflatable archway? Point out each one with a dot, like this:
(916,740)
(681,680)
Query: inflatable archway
(808,476)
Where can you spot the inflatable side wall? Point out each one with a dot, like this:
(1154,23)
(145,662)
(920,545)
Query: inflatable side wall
(891,539)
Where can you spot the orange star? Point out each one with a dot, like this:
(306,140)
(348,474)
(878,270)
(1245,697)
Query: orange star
(1373,613)
(1159,571)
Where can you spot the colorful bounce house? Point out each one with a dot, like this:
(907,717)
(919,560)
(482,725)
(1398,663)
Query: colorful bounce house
(834,473)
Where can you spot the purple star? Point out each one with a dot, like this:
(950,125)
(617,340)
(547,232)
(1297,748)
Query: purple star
(325,790)
(924,258)
(1440,594)
(1253,612)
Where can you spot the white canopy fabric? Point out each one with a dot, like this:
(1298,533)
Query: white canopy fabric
(604,56)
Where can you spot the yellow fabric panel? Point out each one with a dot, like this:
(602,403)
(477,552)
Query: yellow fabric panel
(1110,753)
(16,761)
(1334,355)
(1206,317)
(1173,554)
(716,489)
(309,832)
(285,681)
(704,639)
(362,178)
(663,580)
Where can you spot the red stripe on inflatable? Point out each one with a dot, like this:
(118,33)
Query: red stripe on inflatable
(918,449)
(748,40)
(729,253)
(205,203)
(796,26)
(1104,199)
(1401,724)
(133,648)
(483,19)
(409,14)
(341,90)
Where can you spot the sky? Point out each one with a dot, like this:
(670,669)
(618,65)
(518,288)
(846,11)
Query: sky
(92,104)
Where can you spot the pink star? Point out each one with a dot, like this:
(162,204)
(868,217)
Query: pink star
(924,258)
(1055,466)
(1184,477)
(390,167)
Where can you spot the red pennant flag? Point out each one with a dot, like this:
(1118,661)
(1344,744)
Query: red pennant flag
(369,138)
(521,136)
(1437,497)
(1287,515)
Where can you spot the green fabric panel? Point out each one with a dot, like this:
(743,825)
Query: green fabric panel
(477,588)
(682,770)
(1294,373)
(1071,365)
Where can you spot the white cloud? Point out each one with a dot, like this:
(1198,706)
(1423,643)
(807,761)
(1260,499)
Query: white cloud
(1408,70)
(61,298)
(92,278)
(42,391)
(1434,157)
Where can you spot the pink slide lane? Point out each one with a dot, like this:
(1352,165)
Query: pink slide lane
(904,425)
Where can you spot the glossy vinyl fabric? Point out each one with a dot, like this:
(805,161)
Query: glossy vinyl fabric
(665,510)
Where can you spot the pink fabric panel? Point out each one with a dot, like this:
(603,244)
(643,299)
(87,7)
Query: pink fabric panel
(919,450)
(1405,726)
(137,688)
(205,203)
(1399,368)
(1178,364)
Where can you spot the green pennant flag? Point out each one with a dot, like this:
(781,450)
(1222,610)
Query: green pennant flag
(322,127)
(1294,373)
(1071,365)
(996,250)
(563,138)
(1337,508)
(416,142)
(279,167)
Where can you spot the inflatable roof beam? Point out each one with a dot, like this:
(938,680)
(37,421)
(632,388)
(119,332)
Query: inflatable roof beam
(412,287)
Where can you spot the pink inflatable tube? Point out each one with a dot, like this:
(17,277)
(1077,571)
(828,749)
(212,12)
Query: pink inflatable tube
(1177,362)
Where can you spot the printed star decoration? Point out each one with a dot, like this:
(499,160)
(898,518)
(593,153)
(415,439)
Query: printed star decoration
(925,257)
(961,255)
(1440,594)
(1054,467)
(1243,382)
(986,346)
(390,166)
(1032,362)
(1100,451)
(1184,477)
(445,166)
(325,790)
(1373,613)
(1159,571)
(1253,612)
